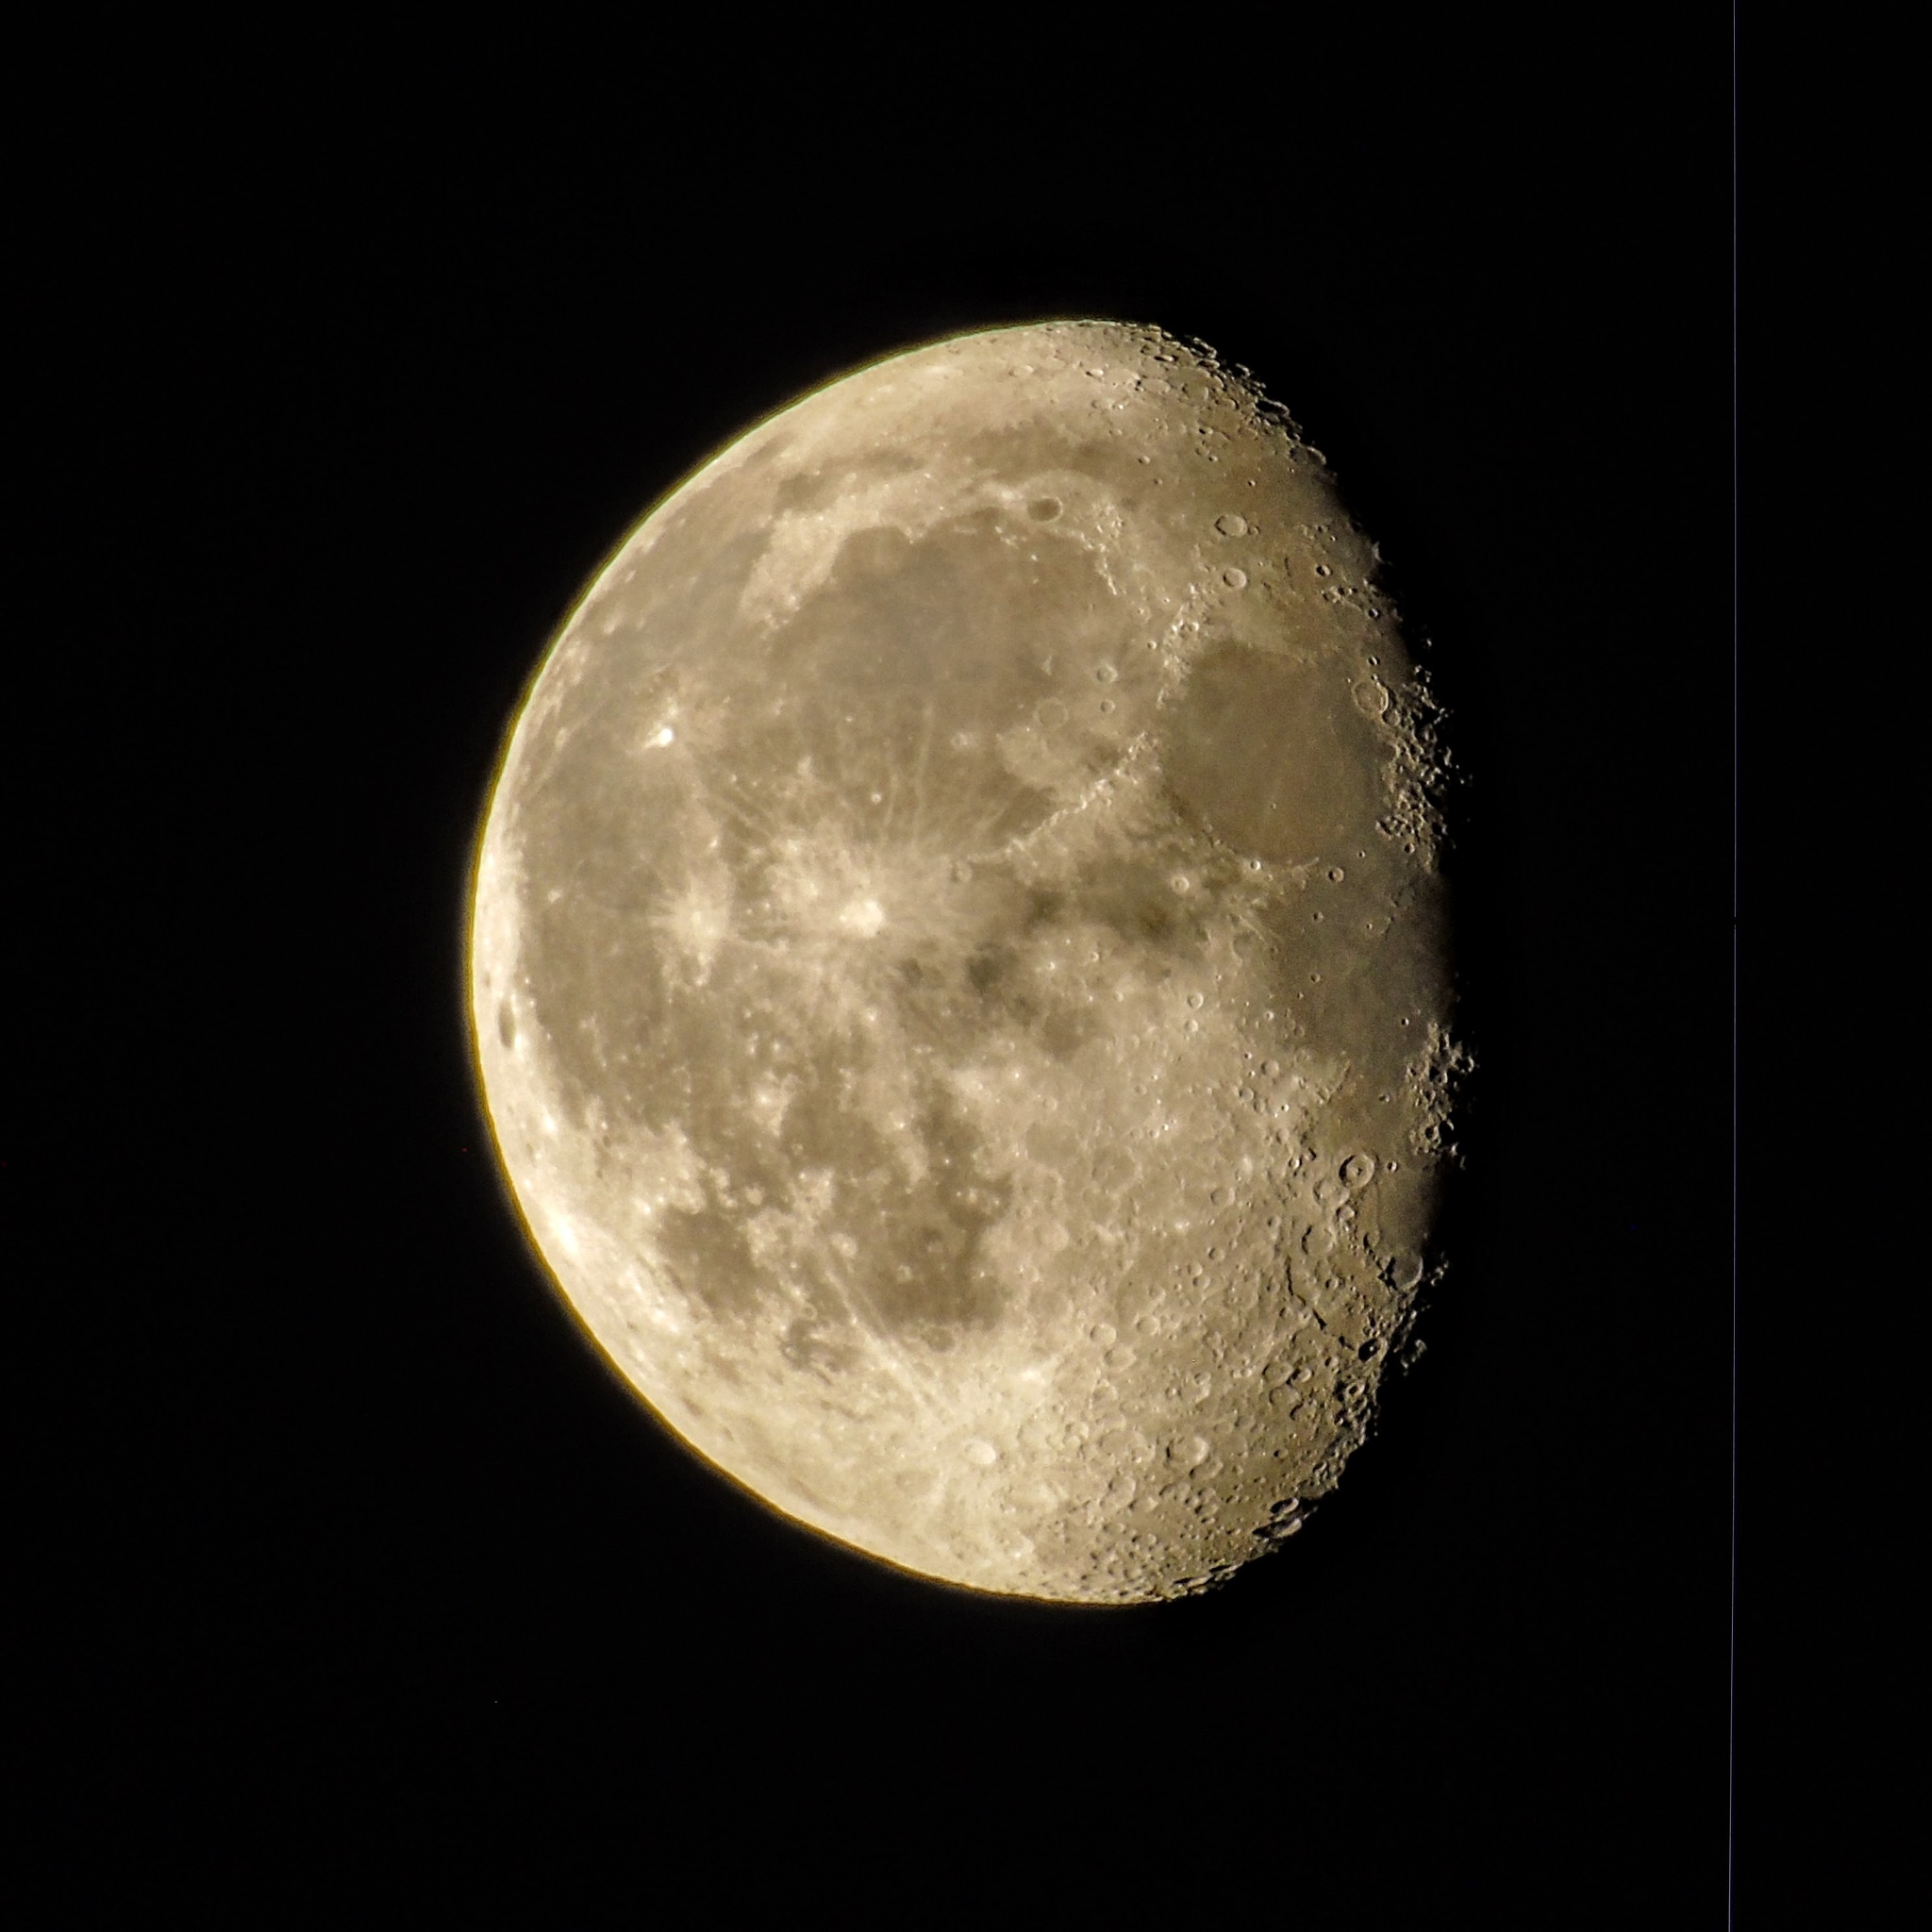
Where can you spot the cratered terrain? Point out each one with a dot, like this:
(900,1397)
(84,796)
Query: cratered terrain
(959,965)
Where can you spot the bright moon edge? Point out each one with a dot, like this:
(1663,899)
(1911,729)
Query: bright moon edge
(958,966)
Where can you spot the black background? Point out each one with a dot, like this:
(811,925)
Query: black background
(359,1560)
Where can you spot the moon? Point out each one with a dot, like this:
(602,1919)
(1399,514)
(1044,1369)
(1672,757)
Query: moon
(958,966)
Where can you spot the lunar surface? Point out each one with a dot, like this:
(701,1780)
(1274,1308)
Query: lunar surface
(958,967)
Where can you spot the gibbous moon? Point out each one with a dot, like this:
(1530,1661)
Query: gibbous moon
(959,968)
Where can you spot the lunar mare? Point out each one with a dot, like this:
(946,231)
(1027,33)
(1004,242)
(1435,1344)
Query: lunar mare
(959,965)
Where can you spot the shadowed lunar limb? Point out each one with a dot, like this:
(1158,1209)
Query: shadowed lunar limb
(958,969)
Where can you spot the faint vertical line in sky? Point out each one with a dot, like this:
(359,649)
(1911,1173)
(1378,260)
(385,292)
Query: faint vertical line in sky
(1737,518)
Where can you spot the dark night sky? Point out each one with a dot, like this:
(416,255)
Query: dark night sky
(356,1519)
